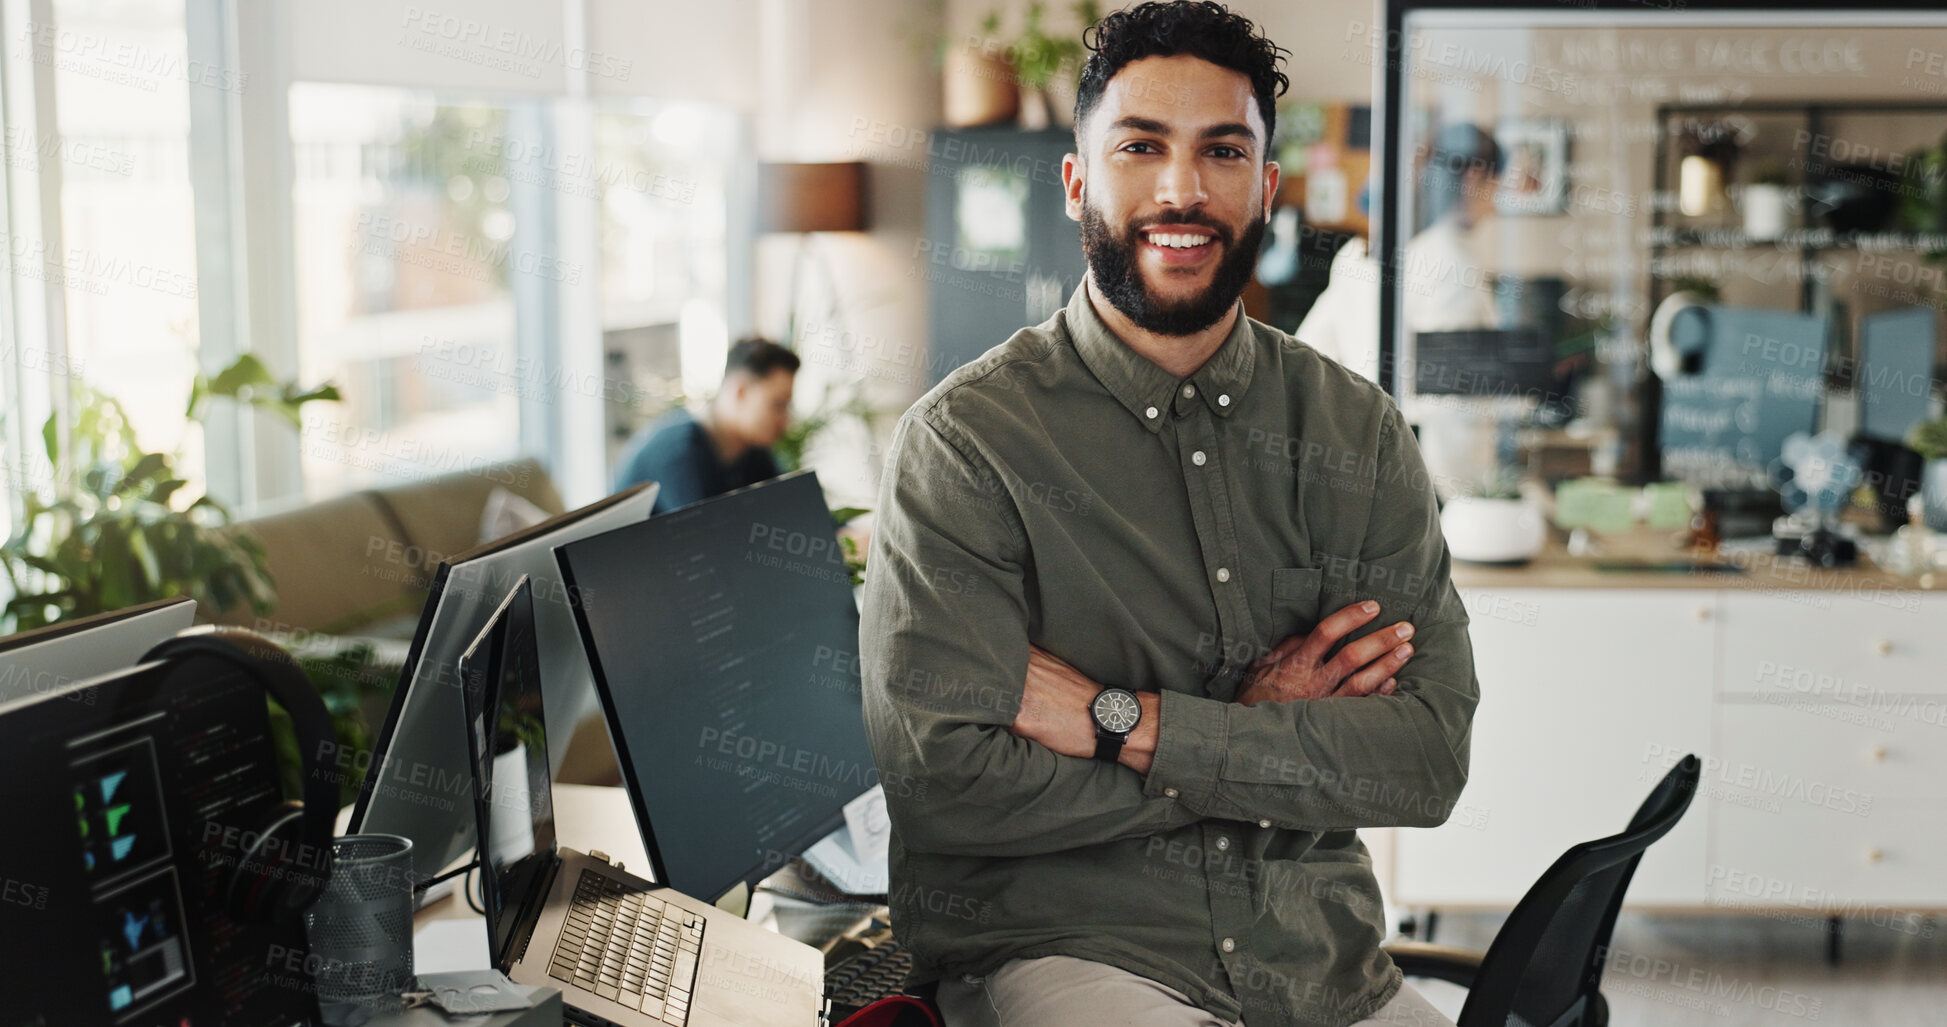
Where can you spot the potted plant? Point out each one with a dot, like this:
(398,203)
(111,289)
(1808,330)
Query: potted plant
(1044,67)
(1491,522)
(1929,439)
(119,529)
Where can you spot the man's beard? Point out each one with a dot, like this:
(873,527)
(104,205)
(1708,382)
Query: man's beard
(1113,261)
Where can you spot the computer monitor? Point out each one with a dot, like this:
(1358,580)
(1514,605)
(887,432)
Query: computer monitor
(419,785)
(1895,371)
(122,793)
(724,638)
(506,716)
(45,659)
(1516,363)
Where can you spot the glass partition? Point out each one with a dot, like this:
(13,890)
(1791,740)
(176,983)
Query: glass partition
(1650,243)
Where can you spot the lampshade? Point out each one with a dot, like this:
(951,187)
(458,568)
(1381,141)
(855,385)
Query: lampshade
(811,197)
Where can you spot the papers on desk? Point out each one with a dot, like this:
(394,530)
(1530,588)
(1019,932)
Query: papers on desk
(449,945)
(854,858)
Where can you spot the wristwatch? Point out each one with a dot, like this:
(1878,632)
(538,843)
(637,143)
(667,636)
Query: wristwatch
(1116,713)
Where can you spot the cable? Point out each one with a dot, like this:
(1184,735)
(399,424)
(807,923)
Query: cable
(466,889)
(447,876)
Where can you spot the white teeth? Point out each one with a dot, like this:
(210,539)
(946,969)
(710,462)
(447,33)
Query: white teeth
(1177,240)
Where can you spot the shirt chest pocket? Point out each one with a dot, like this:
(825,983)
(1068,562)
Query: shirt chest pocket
(1297,600)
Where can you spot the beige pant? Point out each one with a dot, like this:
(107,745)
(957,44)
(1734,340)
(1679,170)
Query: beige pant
(1063,991)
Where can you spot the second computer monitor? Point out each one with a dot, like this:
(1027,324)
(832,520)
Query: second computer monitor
(724,639)
(47,659)
(419,785)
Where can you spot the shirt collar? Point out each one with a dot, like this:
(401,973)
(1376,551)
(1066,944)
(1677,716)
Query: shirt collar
(1148,392)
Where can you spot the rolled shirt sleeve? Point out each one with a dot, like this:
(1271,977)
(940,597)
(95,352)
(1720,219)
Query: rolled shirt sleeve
(944,642)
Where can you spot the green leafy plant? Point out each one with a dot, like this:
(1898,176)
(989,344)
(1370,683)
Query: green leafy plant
(347,679)
(854,560)
(1929,439)
(115,528)
(838,403)
(1923,194)
(1037,57)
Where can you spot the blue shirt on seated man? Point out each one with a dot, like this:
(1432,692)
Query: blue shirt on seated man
(727,445)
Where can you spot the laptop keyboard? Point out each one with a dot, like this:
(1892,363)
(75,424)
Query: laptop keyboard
(629,947)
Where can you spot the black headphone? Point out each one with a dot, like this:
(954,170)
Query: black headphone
(282,860)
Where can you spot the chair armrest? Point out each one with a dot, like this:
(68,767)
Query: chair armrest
(1440,962)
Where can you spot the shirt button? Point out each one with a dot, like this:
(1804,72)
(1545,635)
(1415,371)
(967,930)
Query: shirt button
(1197,458)
(1189,391)
(1222,844)
(1151,412)
(1230,945)
(1223,574)
(1264,823)
(1169,793)
(1223,400)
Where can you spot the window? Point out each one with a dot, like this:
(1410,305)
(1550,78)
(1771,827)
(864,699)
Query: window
(665,172)
(127,244)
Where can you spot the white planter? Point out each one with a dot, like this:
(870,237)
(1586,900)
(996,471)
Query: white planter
(1766,214)
(1492,530)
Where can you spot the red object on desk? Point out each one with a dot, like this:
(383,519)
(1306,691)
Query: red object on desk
(896,1011)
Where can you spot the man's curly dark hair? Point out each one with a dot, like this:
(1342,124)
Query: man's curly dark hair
(1199,28)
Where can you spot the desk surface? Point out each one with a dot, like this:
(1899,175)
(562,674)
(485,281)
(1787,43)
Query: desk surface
(1556,568)
(594,817)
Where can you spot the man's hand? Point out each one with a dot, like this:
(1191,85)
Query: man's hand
(1054,712)
(1054,705)
(1297,668)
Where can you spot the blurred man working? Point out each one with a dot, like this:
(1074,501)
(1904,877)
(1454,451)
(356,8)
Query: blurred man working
(728,446)
(1137,609)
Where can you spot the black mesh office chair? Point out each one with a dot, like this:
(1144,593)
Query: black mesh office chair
(1544,968)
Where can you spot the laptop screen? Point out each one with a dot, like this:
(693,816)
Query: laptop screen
(507,738)
(724,638)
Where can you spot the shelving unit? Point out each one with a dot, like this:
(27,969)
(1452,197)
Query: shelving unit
(1672,236)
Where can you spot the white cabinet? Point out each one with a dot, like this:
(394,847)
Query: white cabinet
(1587,698)
(1821,718)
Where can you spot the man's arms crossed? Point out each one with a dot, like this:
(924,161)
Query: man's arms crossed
(956,696)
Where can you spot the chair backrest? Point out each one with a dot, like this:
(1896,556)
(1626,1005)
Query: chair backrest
(1545,965)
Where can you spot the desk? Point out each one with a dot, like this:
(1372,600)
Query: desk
(1555,567)
(593,817)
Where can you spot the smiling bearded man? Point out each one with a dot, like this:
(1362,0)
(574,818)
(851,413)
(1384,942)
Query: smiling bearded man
(1138,602)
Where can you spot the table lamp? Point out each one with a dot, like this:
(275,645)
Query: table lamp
(805,199)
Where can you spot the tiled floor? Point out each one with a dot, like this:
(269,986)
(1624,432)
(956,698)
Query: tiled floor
(1676,971)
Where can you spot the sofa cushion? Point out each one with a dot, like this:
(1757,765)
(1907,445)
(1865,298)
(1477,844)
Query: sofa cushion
(336,563)
(343,564)
(442,516)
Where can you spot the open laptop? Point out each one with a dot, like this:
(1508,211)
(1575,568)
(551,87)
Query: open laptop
(621,950)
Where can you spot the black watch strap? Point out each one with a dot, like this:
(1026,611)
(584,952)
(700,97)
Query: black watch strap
(1108,745)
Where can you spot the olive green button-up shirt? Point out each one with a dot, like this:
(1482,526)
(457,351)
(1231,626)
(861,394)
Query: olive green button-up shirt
(1158,534)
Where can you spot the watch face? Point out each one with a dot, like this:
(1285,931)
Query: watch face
(1117,710)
